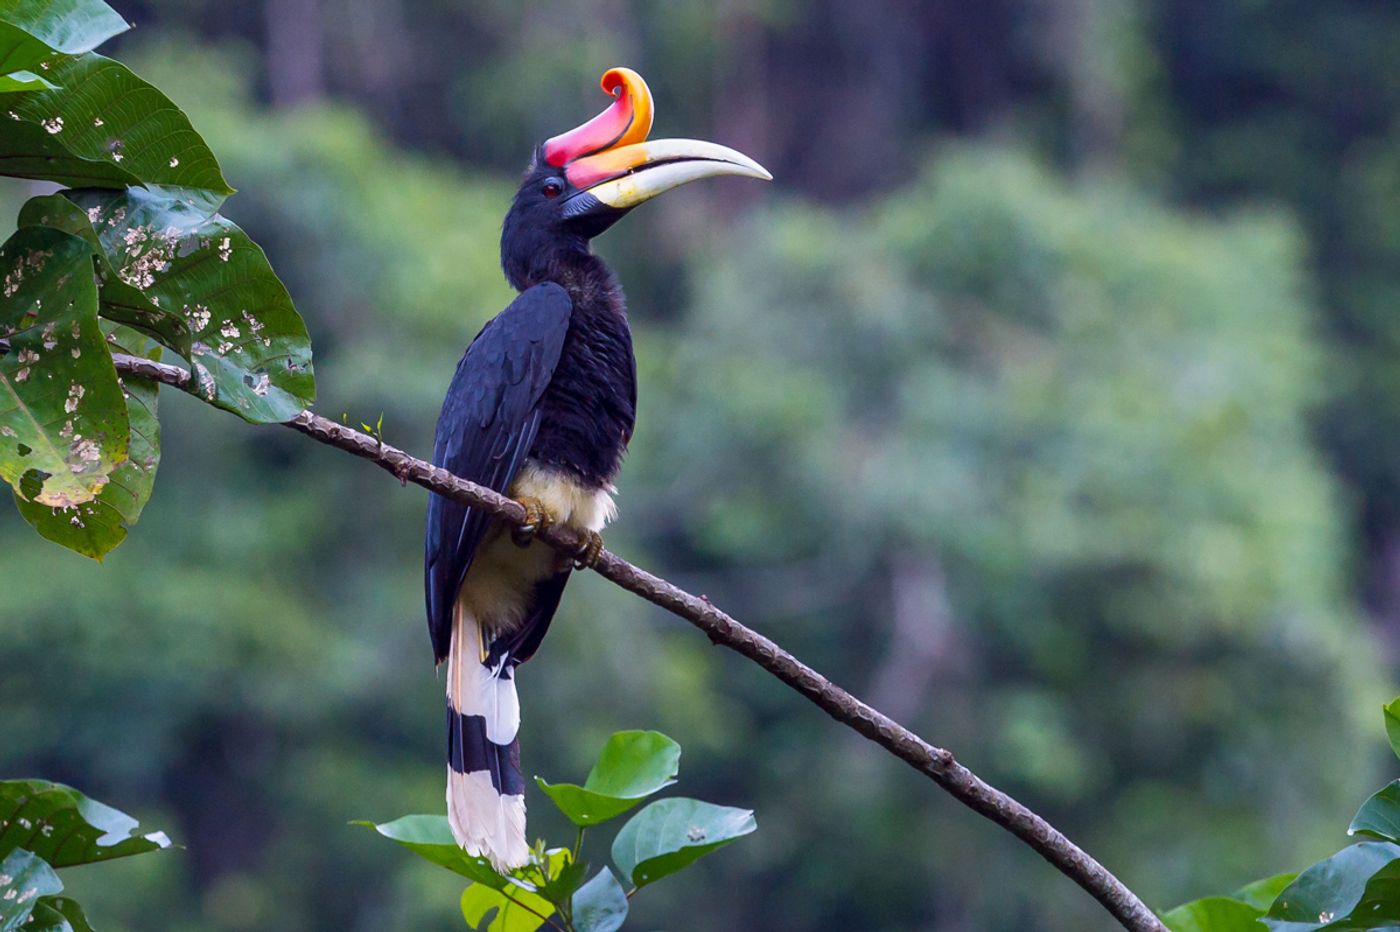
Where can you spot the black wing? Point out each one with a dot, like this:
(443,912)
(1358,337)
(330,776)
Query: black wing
(488,422)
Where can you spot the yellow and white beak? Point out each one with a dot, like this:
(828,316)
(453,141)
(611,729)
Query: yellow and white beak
(609,163)
(629,175)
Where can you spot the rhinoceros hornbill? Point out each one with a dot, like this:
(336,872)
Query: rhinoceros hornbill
(541,409)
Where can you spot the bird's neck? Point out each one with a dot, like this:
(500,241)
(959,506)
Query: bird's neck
(592,286)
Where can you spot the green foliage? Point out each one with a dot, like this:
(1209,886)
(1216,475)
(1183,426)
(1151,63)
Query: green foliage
(672,833)
(61,416)
(1379,816)
(25,879)
(50,26)
(1355,889)
(47,825)
(666,836)
(168,265)
(102,523)
(632,766)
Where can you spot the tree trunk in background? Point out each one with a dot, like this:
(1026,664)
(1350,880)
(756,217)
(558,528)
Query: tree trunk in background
(295,68)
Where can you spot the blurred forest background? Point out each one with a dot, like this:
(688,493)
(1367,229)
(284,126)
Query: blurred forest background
(1049,399)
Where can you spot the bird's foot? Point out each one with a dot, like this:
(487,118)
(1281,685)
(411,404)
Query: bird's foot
(536,520)
(589,551)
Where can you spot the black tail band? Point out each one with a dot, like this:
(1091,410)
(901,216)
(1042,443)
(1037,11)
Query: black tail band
(469,751)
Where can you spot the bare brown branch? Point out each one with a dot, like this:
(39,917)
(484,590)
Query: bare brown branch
(937,763)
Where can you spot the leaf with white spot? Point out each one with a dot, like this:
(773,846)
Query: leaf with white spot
(249,348)
(118,301)
(103,126)
(58,914)
(671,833)
(19,50)
(66,828)
(27,150)
(62,415)
(24,878)
(94,528)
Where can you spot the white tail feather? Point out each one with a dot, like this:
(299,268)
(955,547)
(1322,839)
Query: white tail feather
(484,821)
(500,704)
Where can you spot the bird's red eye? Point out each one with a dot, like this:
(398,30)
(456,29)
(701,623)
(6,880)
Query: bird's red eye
(552,188)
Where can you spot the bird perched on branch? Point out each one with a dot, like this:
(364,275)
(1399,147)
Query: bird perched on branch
(541,409)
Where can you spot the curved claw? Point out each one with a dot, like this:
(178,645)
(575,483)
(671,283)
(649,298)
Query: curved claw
(589,551)
(536,520)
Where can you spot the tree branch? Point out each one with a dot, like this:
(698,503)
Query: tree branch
(936,763)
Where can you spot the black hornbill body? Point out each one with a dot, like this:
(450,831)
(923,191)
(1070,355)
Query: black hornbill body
(541,408)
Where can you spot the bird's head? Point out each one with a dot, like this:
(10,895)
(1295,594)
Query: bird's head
(581,182)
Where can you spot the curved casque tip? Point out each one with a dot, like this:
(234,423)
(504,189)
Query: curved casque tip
(625,122)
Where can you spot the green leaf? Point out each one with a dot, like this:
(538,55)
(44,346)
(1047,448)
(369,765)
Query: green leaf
(104,521)
(69,26)
(1362,880)
(24,877)
(565,876)
(600,905)
(61,410)
(1379,816)
(1392,725)
(522,904)
(671,833)
(249,348)
(1262,893)
(20,81)
(631,766)
(430,837)
(516,910)
(117,300)
(58,914)
(20,51)
(27,150)
(102,115)
(1214,914)
(65,828)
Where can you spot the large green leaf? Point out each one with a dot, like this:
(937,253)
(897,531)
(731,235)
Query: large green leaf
(430,837)
(24,878)
(28,150)
(1379,816)
(69,26)
(58,914)
(102,114)
(1356,888)
(104,521)
(61,410)
(1261,893)
(515,910)
(20,51)
(1214,914)
(117,300)
(631,766)
(518,907)
(249,347)
(600,905)
(64,827)
(32,32)
(671,833)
